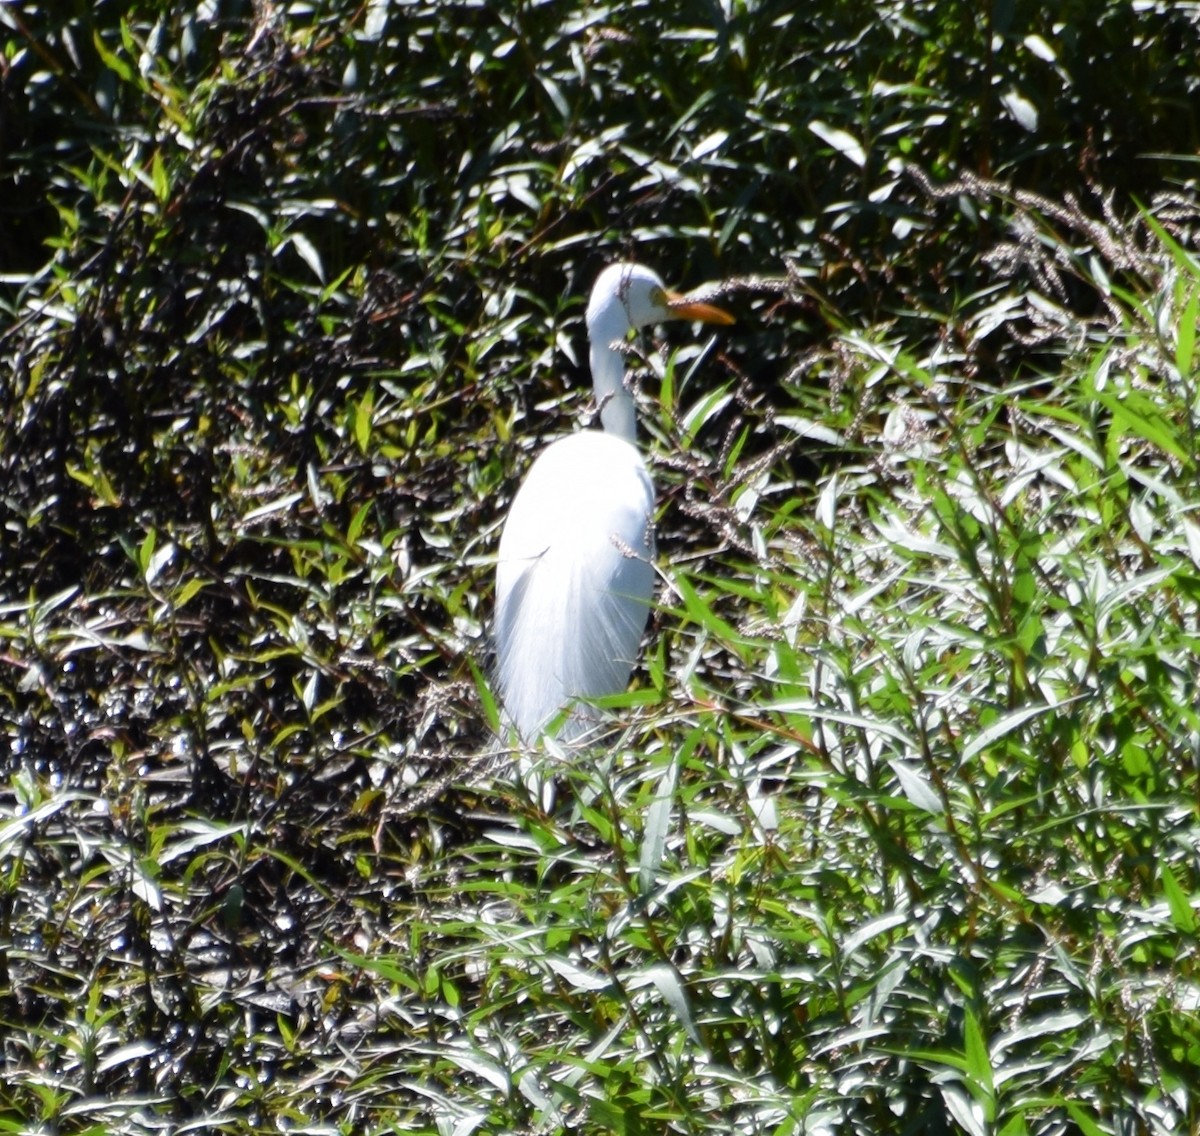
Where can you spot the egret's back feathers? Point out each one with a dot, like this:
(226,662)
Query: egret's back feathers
(575,556)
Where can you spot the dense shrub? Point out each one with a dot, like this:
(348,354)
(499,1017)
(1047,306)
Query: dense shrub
(897,831)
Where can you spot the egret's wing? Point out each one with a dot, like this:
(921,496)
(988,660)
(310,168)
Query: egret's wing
(574,579)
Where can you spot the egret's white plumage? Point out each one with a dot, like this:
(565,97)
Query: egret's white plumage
(574,578)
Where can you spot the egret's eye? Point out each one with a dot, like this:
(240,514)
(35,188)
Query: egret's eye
(658,297)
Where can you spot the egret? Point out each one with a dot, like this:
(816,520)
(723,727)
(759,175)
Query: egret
(574,578)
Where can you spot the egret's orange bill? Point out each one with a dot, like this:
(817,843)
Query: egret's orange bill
(683,308)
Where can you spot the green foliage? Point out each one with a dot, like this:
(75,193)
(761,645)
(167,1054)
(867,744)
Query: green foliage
(896,830)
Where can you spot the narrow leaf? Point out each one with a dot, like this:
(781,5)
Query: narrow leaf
(112,61)
(979,1063)
(917,789)
(658,823)
(308,253)
(703,614)
(1182,914)
(363,414)
(666,982)
(842,141)
(1137,416)
(1003,725)
(1185,335)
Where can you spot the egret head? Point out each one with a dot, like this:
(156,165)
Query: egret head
(635,296)
(630,296)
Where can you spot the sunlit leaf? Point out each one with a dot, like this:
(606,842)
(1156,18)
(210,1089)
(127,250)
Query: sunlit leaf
(841,140)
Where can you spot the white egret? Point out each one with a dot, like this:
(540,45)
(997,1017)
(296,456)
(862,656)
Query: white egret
(574,577)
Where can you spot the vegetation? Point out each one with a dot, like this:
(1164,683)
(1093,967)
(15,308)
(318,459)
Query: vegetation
(896,831)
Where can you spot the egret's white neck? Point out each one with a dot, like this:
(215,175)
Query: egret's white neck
(607,326)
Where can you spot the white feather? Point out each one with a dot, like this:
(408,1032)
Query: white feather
(574,579)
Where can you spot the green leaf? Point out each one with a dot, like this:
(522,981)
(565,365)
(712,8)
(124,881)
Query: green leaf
(702,613)
(1183,915)
(146,552)
(189,591)
(1086,1124)
(158,178)
(666,980)
(355,528)
(1138,415)
(979,1065)
(658,823)
(387,967)
(491,709)
(363,414)
(1002,727)
(111,60)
